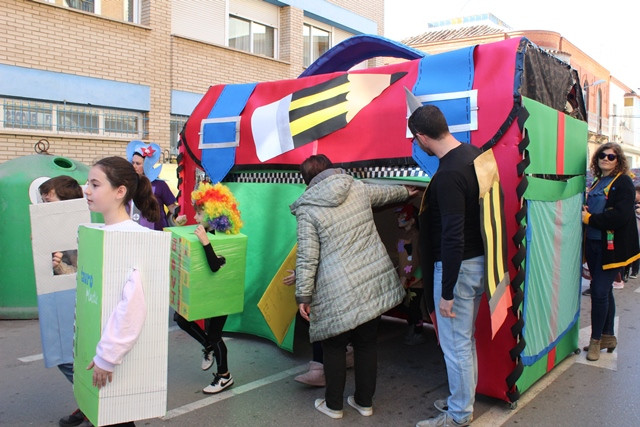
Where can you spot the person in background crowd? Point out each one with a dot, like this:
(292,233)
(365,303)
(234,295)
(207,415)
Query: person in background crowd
(611,239)
(143,157)
(345,279)
(57,189)
(452,251)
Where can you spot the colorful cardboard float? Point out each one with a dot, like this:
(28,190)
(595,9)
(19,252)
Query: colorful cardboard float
(509,97)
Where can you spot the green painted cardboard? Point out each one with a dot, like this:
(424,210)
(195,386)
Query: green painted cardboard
(88,314)
(196,291)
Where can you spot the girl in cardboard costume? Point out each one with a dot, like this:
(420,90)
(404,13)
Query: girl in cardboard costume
(111,185)
(216,210)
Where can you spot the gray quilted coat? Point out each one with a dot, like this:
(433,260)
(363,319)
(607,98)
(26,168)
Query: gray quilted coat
(343,270)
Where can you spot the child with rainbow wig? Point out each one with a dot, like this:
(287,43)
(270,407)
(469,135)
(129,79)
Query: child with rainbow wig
(216,210)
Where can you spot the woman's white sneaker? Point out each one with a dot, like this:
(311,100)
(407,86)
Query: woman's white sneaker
(321,405)
(365,411)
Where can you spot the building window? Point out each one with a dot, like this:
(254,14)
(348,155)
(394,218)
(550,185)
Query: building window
(176,125)
(316,42)
(251,36)
(122,123)
(26,115)
(123,10)
(61,118)
(77,120)
(84,5)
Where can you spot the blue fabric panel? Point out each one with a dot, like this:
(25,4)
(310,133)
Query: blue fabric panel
(213,133)
(443,73)
(356,49)
(218,162)
(57,315)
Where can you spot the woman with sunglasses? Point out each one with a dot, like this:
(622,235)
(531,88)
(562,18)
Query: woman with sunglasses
(611,239)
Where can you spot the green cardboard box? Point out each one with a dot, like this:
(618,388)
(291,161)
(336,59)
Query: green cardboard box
(105,261)
(196,291)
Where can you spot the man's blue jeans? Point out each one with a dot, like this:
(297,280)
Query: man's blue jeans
(457,335)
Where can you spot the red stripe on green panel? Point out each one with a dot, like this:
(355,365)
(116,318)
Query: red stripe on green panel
(560,148)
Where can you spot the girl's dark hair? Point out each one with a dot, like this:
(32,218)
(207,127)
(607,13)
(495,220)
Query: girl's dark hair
(66,187)
(121,172)
(622,165)
(313,165)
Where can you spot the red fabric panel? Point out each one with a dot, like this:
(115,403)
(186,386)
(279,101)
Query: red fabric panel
(494,80)
(551,359)
(560,148)
(376,132)
(192,131)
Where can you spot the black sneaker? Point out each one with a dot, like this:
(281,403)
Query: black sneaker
(219,383)
(586,292)
(75,419)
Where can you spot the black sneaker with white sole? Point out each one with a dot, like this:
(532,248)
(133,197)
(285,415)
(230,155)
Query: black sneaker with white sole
(219,383)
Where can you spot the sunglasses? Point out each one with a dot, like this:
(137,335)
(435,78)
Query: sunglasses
(610,157)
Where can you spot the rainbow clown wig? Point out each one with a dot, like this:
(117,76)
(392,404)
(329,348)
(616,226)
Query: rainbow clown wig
(219,207)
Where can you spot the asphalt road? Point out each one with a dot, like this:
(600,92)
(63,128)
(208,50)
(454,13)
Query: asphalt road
(575,393)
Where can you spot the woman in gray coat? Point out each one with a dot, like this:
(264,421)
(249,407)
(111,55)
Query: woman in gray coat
(344,277)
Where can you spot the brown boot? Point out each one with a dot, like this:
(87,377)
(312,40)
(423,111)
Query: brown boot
(610,342)
(314,376)
(594,350)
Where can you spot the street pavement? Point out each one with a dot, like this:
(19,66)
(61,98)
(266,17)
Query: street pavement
(410,378)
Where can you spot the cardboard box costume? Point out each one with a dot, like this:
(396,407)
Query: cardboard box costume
(197,292)
(106,260)
(54,229)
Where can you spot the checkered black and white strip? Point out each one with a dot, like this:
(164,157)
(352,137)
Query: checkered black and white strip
(294,177)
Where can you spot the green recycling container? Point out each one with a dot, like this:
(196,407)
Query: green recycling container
(20,178)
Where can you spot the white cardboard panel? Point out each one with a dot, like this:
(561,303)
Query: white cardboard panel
(54,227)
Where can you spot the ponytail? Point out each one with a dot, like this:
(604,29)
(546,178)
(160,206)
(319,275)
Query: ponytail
(120,172)
(145,200)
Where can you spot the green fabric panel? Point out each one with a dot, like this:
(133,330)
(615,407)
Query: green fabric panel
(542,126)
(554,263)
(88,325)
(575,144)
(196,291)
(547,190)
(271,231)
(567,345)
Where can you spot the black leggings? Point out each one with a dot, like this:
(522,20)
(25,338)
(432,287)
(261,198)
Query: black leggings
(210,338)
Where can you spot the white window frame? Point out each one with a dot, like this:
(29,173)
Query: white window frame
(311,26)
(251,33)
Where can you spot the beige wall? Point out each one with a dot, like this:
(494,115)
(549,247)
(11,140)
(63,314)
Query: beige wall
(45,36)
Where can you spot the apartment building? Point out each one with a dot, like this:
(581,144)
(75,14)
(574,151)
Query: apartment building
(612,107)
(88,76)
